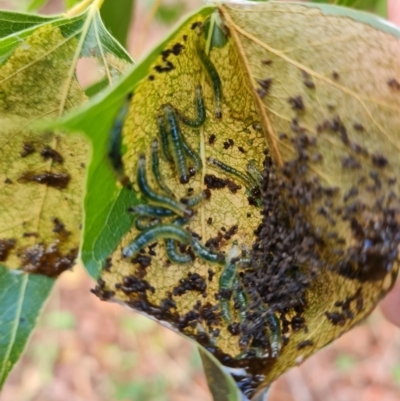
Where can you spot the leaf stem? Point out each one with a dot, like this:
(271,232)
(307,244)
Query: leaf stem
(82,6)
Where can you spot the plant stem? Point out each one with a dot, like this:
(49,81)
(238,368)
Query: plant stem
(82,6)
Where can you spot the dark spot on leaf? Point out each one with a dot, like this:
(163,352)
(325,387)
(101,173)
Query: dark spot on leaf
(194,282)
(177,48)
(304,344)
(266,62)
(234,328)
(27,149)
(336,318)
(142,260)
(307,80)
(265,83)
(317,157)
(231,232)
(393,83)
(358,127)
(211,274)
(59,227)
(213,182)
(351,193)
(151,78)
(335,75)
(48,261)
(165,68)
(211,139)
(7,181)
(55,180)
(132,284)
(227,145)
(261,93)
(30,234)
(49,153)
(165,54)
(256,127)
(210,314)
(107,265)
(6,245)
(196,24)
(209,220)
(379,160)
(297,103)
(101,292)
(350,162)
(214,242)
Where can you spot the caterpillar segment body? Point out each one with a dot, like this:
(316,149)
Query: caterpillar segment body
(214,78)
(245,179)
(154,233)
(240,297)
(175,142)
(142,222)
(254,174)
(164,138)
(172,247)
(174,255)
(200,108)
(192,155)
(151,211)
(275,335)
(204,253)
(114,148)
(157,198)
(155,167)
(196,199)
(226,280)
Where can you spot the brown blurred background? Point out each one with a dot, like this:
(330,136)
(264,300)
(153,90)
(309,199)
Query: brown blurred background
(88,350)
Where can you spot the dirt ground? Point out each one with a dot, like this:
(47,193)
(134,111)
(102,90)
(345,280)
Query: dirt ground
(87,350)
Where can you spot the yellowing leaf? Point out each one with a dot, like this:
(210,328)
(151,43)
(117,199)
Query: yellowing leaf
(228,215)
(331,116)
(311,256)
(41,173)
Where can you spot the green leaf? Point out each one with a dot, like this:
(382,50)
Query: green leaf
(117,17)
(377,6)
(221,385)
(16,23)
(35,5)
(169,13)
(70,3)
(106,220)
(22,297)
(304,108)
(96,87)
(42,172)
